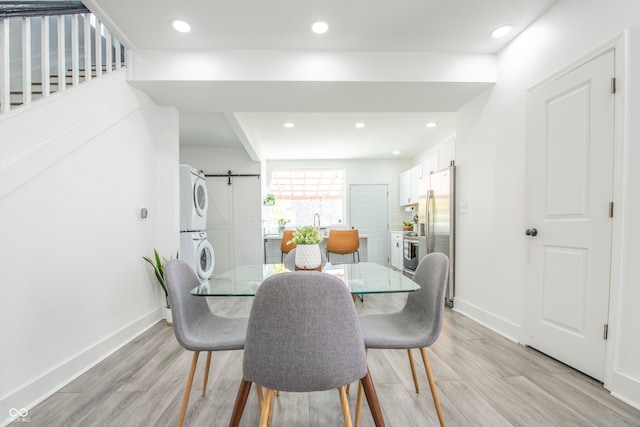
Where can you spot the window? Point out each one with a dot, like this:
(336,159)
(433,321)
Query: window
(301,193)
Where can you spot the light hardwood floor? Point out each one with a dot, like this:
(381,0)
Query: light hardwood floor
(483,380)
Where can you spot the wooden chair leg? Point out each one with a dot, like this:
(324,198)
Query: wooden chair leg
(358,405)
(187,390)
(344,401)
(206,374)
(273,400)
(359,398)
(261,400)
(241,401)
(372,399)
(432,385)
(266,407)
(259,393)
(413,370)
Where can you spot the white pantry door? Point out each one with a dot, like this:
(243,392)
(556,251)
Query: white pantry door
(570,142)
(368,213)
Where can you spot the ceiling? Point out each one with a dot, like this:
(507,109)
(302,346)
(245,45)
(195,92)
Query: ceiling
(209,116)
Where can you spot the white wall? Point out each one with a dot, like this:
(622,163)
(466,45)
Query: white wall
(74,285)
(490,154)
(218,160)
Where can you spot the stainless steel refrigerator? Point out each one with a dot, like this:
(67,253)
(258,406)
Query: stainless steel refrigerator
(436,221)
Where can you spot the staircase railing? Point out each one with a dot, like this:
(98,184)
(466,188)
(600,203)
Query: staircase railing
(46,47)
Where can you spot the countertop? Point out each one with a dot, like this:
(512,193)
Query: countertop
(279,236)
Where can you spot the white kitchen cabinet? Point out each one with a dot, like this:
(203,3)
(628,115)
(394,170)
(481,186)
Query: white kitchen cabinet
(410,185)
(405,188)
(396,249)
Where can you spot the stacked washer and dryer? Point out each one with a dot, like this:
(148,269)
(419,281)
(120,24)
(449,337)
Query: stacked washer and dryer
(195,249)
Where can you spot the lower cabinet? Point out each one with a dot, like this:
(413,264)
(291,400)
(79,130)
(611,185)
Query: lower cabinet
(396,249)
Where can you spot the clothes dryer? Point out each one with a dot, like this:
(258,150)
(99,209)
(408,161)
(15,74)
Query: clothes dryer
(194,200)
(196,251)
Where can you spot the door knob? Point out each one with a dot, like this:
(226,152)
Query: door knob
(531,232)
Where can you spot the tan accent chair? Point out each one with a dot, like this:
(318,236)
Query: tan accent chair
(343,242)
(285,247)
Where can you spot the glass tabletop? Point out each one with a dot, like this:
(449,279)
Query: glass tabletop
(361,278)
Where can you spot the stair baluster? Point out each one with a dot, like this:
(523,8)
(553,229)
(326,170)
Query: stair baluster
(88,58)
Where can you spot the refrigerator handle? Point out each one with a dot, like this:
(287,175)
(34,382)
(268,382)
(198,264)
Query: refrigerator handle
(431,205)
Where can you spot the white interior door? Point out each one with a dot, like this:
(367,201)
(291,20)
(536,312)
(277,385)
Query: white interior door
(570,141)
(368,213)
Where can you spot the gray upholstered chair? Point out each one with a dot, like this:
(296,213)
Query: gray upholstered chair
(195,326)
(417,325)
(303,336)
(290,260)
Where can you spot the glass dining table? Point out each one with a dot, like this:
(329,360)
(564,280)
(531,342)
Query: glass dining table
(361,278)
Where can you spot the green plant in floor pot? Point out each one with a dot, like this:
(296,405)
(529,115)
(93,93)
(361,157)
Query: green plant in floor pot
(158,267)
(307,240)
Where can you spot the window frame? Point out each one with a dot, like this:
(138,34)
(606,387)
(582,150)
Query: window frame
(311,170)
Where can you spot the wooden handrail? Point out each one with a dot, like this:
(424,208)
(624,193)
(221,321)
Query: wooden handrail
(40,8)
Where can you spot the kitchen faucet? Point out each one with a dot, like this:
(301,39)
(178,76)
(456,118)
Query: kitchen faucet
(316,215)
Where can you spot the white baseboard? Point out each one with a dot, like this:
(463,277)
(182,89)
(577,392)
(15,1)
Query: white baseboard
(497,324)
(626,389)
(35,392)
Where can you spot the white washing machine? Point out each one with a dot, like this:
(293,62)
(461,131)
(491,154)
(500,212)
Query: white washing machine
(196,251)
(194,200)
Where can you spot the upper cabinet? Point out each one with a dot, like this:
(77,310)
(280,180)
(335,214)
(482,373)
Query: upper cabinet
(410,185)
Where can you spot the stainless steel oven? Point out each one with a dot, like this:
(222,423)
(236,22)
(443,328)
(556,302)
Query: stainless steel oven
(410,252)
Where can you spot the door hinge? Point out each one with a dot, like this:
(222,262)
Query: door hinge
(613,85)
(605,332)
(610,209)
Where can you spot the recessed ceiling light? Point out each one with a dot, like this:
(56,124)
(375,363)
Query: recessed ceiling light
(396,152)
(360,125)
(319,27)
(288,125)
(181,26)
(501,31)
(431,124)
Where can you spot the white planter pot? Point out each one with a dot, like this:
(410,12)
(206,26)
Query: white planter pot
(308,257)
(168,316)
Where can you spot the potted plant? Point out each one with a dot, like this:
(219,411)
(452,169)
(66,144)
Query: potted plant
(407,225)
(158,268)
(269,200)
(281,223)
(307,240)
